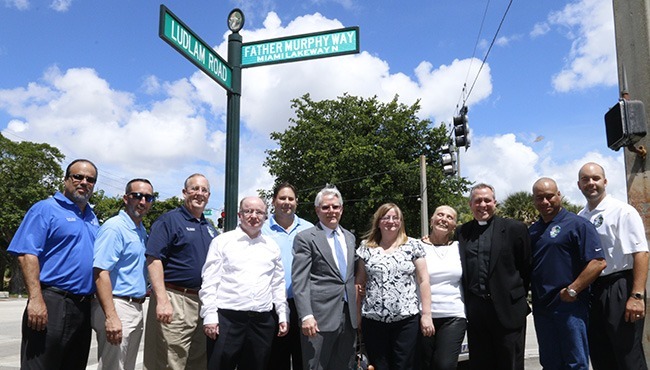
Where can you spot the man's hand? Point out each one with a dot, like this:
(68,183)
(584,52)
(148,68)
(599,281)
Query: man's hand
(283,330)
(634,309)
(164,311)
(113,330)
(310,327)
(211,330)
(36,314)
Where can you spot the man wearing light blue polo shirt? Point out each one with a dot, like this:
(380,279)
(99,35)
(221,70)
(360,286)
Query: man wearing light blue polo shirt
(120,276)
(282,226)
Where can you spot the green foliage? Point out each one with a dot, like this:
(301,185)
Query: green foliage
(29,172)
(570,206)
(519,206)
(370,150)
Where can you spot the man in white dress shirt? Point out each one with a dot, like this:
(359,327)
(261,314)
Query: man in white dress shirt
(243,279)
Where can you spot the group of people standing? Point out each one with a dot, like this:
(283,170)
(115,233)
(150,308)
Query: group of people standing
(281,293)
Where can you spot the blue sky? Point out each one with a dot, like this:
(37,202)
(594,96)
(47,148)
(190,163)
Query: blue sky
(95,80)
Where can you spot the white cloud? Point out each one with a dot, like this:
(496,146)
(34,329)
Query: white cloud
(511,165)
(592,59)
(540,29)
(61,5)
(18,4)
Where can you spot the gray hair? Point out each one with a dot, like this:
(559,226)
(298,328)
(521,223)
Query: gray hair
(328,190)
(482,185)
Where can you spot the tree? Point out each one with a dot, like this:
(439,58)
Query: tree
(29,172)
(370,151)
(519,206)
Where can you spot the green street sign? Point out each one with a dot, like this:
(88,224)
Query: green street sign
(180,37)
(207,212)
(301,47)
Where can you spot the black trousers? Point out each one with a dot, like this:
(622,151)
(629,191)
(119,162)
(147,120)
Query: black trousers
(286,353)
(391,346)
(613,342)
(440,351)
(65,343)
(244,340)
(491,346)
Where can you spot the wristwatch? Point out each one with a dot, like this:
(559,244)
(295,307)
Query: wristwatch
(572,293)
(638,295)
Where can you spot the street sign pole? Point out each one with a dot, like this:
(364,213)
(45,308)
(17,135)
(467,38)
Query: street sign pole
(232,132)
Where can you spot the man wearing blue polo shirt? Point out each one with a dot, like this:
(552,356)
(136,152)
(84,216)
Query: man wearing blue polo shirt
(567,258)
(54,245)
(282,226)
(176,251)
(120,277)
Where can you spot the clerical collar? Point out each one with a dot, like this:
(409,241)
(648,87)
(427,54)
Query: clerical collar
(482,223)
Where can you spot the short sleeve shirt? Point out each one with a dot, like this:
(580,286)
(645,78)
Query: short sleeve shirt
(621,232)
(181,242)
(391,293)
(561,250)
(119,249)
(62,237)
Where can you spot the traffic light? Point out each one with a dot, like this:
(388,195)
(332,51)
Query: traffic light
(461,129)
(625,123)
(449,164)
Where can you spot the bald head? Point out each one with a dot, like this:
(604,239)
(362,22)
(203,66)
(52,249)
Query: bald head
(592,183)
(547,198)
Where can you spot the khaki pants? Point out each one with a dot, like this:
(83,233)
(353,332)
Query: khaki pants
(120,357)
(180,344)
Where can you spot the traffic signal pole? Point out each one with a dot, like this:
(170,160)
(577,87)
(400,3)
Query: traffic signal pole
(631,22)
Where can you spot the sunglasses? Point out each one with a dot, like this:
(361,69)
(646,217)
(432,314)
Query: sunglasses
(334,207)
(79,178)
(147,197)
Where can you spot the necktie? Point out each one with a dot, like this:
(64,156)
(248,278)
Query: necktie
(340,257)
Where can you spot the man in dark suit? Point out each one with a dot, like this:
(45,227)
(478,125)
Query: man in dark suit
(496,258)
(323,283)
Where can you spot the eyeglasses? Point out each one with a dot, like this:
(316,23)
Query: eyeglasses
(77,177)
(253,211)
(390,218)
(147,197)
(198,189)
(334,207)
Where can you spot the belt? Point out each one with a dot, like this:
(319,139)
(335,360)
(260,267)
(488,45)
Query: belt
(610,278)
(66,294)
(130,299)
(181,289)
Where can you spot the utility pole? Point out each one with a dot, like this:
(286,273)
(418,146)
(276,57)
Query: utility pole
(631,22)
(424,201)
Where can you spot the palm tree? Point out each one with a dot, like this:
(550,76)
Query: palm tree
(519,206)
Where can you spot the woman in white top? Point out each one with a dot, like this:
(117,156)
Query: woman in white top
(441,351)
(392,270)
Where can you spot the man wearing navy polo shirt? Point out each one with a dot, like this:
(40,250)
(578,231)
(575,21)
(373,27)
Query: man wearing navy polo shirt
(176,251)
(567,258)
(120,276)
(54,245)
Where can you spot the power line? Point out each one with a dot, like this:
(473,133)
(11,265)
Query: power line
(496,34)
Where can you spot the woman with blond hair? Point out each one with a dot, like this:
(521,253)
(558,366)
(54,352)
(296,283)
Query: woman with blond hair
(447,308)
(392,270)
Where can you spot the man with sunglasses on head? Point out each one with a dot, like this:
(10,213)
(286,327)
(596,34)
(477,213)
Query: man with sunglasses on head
(243,281)
(54,245)
(121,279)
(323,286)
(176,251)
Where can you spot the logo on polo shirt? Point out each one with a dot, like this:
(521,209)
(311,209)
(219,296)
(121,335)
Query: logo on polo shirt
(555,230)
(211,232)
(190,228)
(71,219)
(598,221)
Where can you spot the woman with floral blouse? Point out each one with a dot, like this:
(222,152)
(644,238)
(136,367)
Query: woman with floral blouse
(392,269)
